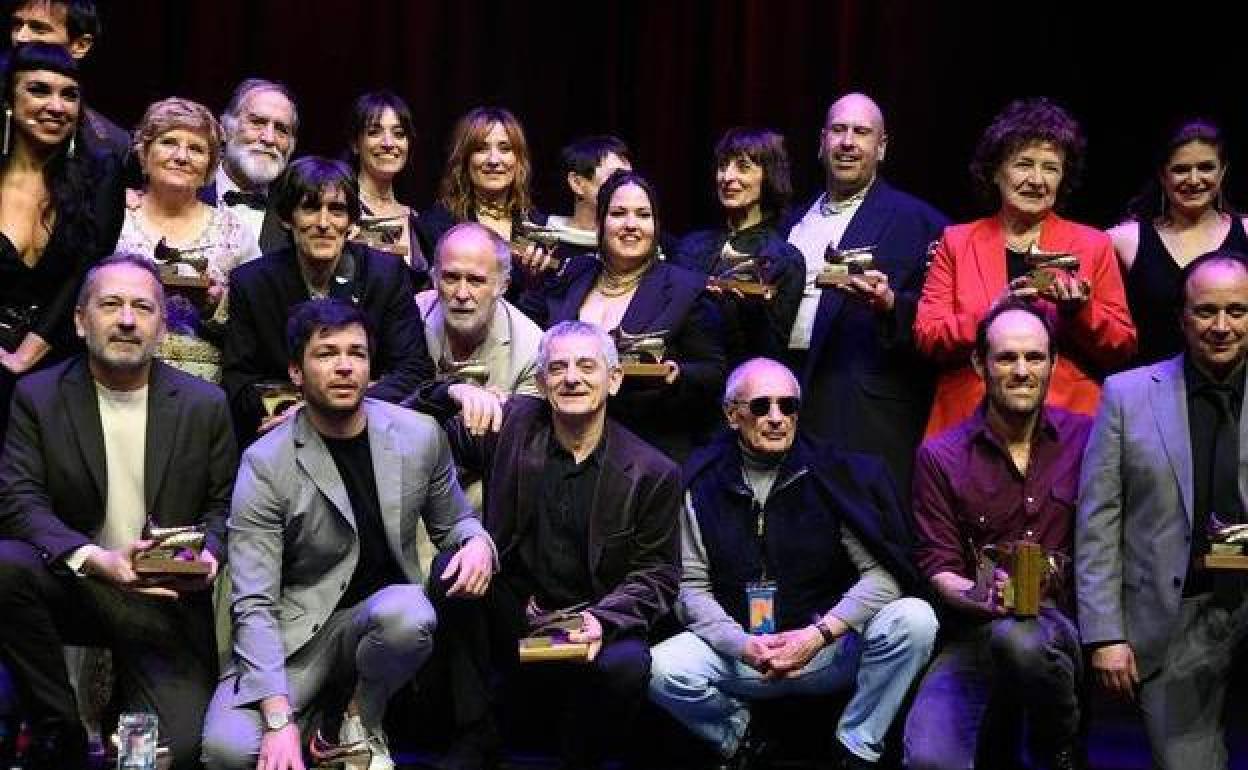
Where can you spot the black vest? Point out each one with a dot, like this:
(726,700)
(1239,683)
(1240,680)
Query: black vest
(800,548)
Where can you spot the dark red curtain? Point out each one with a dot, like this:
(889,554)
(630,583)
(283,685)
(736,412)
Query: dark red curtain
(669,77)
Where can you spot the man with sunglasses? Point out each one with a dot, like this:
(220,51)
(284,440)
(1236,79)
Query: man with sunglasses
(795,564)
(1008,473)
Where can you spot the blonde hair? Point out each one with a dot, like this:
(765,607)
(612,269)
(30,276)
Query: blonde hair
(176,113)
(456,192)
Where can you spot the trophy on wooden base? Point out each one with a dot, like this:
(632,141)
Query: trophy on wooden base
(174,553)
(278,396)
(550,236)
(1046,264)
(1227,545)
(185,269)
(1033,575)
(641,355)
(843,264)
(382,234)
(470,370)
(741,272)
(547,639)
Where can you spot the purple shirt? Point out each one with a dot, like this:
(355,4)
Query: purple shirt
(968,490)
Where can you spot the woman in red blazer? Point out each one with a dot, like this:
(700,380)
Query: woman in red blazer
(1027,162)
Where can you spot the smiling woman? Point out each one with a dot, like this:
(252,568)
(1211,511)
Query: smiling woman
(60,209)
(178,146)
(1027,162)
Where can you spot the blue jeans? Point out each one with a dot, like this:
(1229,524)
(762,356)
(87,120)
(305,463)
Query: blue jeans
(707,691)
(992,673)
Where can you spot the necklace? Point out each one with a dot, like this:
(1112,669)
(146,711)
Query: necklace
(378,198)
(492,210)
(613,283)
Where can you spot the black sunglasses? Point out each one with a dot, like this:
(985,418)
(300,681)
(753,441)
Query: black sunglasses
(761,406)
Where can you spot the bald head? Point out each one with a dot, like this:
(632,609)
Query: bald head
(852,144)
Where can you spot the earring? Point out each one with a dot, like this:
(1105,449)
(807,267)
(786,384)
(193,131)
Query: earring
(69,153)
(8,126)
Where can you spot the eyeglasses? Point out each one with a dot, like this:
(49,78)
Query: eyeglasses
(761,406)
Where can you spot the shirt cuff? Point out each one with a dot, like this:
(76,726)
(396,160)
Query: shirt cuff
(77,560)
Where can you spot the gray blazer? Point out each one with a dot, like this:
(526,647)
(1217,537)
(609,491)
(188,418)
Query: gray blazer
(1133,526)
(292,540)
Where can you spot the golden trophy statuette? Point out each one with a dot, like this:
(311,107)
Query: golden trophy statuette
(1033,575)
(277,397)
(845,264)
(547,639)
(181,268)
(641,355)
(550,236)
(382,234)
(471,370)
(742,272)
(1045,265)
(174,553)
(1227,544)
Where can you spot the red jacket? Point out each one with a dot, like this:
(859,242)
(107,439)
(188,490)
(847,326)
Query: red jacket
(968,274)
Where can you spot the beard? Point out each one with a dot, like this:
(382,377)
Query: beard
(260,165)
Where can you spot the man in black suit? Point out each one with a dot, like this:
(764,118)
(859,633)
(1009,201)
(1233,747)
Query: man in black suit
(317,201)
(98,448)
(867,388)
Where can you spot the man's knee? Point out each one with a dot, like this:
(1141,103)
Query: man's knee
(225,749)
(624,666)
(674,671)
(19,565)
(908,624)
(1018,647)
(402,617)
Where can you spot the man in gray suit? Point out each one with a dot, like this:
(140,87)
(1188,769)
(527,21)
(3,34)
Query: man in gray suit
(1165,465)
(328,604)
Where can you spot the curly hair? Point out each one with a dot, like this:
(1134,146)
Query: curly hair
(1024,122)
(456,192)
(766,148)
(1148,204)
(177,113)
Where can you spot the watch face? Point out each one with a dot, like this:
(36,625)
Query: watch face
(276,721)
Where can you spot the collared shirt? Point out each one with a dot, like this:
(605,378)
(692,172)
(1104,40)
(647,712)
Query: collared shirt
(252,219)
(969,493)
(557,554)
(510,360)
(811,235)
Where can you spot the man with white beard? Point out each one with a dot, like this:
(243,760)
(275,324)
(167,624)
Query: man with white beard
(259,123)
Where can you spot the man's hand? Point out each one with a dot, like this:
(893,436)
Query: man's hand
(591,634)
(799,646)
(535,258)
(1114,668)
(281,749)
(479,408)
(471,566)
(757,650)
(872,289)
(1068,291)
(117,567)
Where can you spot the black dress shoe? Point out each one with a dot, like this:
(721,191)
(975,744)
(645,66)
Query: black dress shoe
(478,747)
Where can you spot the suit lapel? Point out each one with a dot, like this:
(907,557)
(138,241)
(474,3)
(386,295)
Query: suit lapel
(163,418)
(388,472)
(646,308)
(1169,402)
(313,458)
(988,256)
(82,405)
(570,303)
(610,494)
(528,485)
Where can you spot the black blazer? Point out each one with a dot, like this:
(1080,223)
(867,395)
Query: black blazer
(262,293)
(674,418)
(53,475)
(432,223)
(634,532)
(865,387)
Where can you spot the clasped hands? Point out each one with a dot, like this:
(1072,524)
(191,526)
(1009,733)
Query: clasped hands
(783,655)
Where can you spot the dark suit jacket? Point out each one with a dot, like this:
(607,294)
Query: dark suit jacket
(673,418)
(262,293)
(865,387)
(634,535)
(53,475)
(273,237)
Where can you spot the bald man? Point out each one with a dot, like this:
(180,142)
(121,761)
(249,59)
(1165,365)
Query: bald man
(852,345)
(834,547)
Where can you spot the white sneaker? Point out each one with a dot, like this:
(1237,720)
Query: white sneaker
(380,759)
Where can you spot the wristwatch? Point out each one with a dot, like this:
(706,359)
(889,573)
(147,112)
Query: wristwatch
(828,636)
(276,720)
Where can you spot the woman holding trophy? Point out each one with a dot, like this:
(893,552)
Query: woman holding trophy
(1027,163)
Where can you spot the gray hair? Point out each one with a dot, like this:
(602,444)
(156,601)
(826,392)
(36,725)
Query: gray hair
(121,258)
(502,249)
(736,380)
(229,118)
(574,329)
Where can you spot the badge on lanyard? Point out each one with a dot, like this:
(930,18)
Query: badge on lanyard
(761,596)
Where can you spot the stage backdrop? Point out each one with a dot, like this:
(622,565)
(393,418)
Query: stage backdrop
(669,77)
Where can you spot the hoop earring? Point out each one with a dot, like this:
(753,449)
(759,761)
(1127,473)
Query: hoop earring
(8,127)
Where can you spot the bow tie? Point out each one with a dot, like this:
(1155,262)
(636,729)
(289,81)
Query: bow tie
(255,200)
